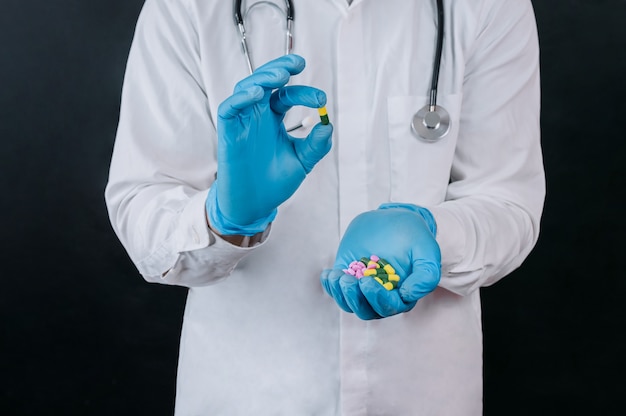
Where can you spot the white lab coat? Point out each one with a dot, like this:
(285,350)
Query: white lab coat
(260,337)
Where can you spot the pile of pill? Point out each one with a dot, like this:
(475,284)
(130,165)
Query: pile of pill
(376,267)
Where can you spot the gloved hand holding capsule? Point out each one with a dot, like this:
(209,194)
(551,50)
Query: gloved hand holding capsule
(259,164)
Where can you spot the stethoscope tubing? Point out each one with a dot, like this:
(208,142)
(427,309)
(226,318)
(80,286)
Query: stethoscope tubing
(240,22)
(430,123)
(438,52)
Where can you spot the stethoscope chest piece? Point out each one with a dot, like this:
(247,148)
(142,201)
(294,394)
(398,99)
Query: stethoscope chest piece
(431,123)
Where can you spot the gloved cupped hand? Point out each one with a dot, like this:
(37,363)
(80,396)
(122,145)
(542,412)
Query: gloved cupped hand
(259,164)
(402,234)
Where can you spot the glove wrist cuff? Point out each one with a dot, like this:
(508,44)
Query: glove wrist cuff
(225,227)
(424,213)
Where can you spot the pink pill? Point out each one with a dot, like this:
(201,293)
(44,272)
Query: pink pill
(350,271)
(374,257)
(359,274)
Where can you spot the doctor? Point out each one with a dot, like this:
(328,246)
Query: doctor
(208,190)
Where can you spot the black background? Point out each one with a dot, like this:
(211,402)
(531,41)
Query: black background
(82,333)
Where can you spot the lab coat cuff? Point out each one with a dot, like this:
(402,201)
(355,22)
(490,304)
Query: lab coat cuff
(191,234)
(450,237)
(196,233)
(193,230)
(199,249)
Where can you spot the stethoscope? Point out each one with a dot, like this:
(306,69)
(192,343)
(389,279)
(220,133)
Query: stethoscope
(431,123)
(239,21)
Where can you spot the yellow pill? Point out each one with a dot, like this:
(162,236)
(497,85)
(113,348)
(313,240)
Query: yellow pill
(323,115)
(379,280)
(369,272)
(373,263)
(388,285)
(393,278)
(389,269)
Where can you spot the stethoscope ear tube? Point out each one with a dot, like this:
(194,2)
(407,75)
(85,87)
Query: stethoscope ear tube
(242,33)
(237,12)
(240,23)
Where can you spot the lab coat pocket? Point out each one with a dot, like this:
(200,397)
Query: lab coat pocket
(420,170)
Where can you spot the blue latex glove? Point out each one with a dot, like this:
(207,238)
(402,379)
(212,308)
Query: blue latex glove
(402,234)
(259,164)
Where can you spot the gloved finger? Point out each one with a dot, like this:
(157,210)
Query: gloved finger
(330,282)
(233,105)
(268,79)
(285,98)
(423,280)
(355,299)
(384,302)
(291,62)
(275,73)
(315,146)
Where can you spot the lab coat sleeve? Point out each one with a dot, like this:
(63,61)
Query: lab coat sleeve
(164,158)
(490,220)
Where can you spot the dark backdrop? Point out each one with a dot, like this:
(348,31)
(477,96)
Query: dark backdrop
(82,333)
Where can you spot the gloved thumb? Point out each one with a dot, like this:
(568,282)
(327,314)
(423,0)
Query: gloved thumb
(315,146)
(423,280)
